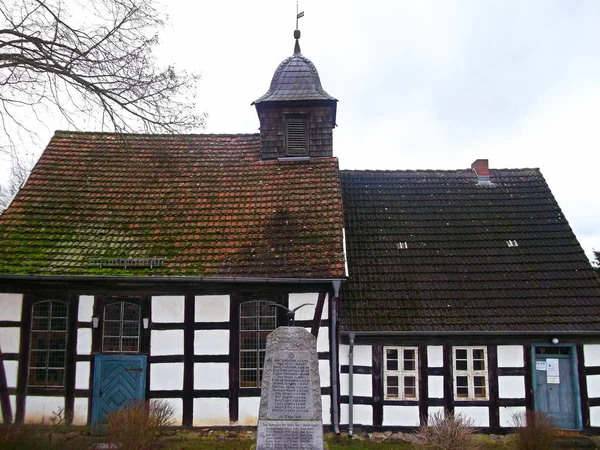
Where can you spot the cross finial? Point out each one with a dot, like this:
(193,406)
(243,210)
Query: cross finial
(297,31)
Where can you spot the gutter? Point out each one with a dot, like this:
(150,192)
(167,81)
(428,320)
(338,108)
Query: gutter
(184,279)
(351,386)
(334,358)
(465,333)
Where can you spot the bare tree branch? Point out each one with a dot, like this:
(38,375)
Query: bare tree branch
(96,65)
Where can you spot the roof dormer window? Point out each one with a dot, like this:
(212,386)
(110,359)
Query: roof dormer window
(296,136)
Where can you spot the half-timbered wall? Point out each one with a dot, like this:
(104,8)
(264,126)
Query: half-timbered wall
(590,381)
(10,333)
(190,362)
(509,385)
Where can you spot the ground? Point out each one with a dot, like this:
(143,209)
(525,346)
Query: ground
(32,438)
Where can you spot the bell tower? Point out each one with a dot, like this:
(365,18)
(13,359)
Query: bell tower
(296,115)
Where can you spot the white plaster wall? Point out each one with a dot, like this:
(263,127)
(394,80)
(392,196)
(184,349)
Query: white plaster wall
(593,385)
(435,386)
(362,355)
(479,414)
(511,387)
(326,403)
(166,376)
(435,356)
(363,385)
(13,406)
(211,342)
(177,405)
(591,354)
(363,414)
(211,411)
(166,342)
(212,308)
(211,376)
(508,412)
(306,312)
(324,372)
(434,410)
(80,411)
(10,306)
(510,356)
(167,308)
(82,375)
(9,339)
(595,416)
(41,409)
(84,341)
(86,308)
(11,369)
(322,340)
(407,416)
(248,410)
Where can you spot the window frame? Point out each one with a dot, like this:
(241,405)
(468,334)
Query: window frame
(402,373)
(48,335)
(257,349)
(122,301)
(470,373)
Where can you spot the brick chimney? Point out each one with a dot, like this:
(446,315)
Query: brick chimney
(482,170)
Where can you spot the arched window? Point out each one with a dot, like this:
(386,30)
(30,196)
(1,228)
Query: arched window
(257,320)
(48,346)
(121,329)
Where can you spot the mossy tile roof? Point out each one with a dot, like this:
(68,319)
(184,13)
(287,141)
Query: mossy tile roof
(430,251)
(204,203)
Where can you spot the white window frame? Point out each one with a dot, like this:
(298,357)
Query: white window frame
(401,373)
(471,373)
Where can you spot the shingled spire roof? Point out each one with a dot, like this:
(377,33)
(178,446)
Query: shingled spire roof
(296,78)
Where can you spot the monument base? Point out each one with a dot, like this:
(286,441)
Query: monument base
(289,434)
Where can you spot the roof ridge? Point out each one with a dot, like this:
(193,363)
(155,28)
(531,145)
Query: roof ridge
(432,170)
(154,135)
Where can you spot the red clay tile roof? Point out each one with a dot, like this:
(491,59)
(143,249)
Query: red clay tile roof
(203,202)
(458,272)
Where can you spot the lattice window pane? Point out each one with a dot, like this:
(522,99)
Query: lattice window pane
(112,312)
(129,344)
(257,320)
(480,390)
(392,386)
(111,344)
(462,387)
(248,323)
(37,377)
(121,328)
(56,377)
(48,344)
(40,323)
(410,387)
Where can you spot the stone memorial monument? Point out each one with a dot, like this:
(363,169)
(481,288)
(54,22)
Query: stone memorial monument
(290,415)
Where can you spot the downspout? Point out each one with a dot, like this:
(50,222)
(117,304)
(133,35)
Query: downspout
(351,386)
(334,358)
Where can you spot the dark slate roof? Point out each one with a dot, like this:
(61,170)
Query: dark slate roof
(296,78)
(458,272)
(203,202)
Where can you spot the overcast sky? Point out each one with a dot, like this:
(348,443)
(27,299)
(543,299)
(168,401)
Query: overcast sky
(421,84)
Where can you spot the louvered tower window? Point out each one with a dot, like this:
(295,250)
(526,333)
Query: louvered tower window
(296,136)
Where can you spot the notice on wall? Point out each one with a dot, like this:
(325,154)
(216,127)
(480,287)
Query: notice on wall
(540,365)
(552,371)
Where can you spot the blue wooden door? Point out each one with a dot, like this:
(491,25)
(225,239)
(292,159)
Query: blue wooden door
(118,379)
(555,389)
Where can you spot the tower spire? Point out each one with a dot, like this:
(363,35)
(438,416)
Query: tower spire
(297,31)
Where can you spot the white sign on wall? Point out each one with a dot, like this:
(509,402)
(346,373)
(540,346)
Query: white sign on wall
(552,371)
(540,365)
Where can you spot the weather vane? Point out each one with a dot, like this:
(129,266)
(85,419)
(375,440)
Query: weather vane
(298,15)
